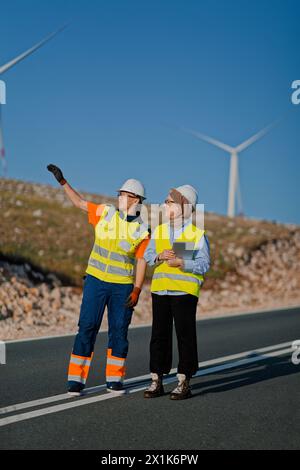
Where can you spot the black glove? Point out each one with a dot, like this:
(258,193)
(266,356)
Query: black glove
(57,173)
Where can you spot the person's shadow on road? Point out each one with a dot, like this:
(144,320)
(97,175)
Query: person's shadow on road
(245,375)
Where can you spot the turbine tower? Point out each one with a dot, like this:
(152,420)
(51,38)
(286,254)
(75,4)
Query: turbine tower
(2,150)
(9,65)
(234,184)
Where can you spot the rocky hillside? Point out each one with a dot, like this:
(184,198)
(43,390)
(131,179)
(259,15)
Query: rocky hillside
(45,244)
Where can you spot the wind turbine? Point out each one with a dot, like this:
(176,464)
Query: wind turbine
(9,65)
(234,184)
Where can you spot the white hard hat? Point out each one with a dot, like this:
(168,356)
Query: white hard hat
(135,187)
(189,193)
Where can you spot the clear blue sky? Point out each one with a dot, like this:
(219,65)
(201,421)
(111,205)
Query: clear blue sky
(103,99)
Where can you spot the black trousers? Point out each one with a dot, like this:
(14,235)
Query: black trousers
(181,308)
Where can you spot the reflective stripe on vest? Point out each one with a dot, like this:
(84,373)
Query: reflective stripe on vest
(166,277)
(175,277)
(109,269)
(115,256)
(112,258)
(110,213)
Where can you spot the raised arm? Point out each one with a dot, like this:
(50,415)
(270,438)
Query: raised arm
(73,195)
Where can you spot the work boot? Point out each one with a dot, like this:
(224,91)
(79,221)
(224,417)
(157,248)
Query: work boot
(75,389)
(156,388)
(183,389)
(115,387)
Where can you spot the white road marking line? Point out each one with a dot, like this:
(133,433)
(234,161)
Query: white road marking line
(233,365)
(86,401)
(247,353)
(55,409)
(88,391)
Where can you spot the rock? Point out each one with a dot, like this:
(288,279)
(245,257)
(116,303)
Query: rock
(26,305)
(37,213)
(55,295)
(239,252)
(53,279)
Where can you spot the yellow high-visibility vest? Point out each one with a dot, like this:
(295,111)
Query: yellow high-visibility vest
(166,277)
(112,258)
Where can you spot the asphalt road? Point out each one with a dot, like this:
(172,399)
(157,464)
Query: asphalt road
(251,401)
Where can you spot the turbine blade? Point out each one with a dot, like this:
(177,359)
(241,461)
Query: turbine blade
(210,140)
(25,54)
(256,137)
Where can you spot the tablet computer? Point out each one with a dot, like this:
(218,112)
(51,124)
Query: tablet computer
(183,250)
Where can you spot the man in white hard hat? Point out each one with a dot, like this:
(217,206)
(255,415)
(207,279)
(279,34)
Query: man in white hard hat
(120,238)
(175,289)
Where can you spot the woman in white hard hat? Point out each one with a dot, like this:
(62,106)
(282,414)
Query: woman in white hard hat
(120,238)
(175,290)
